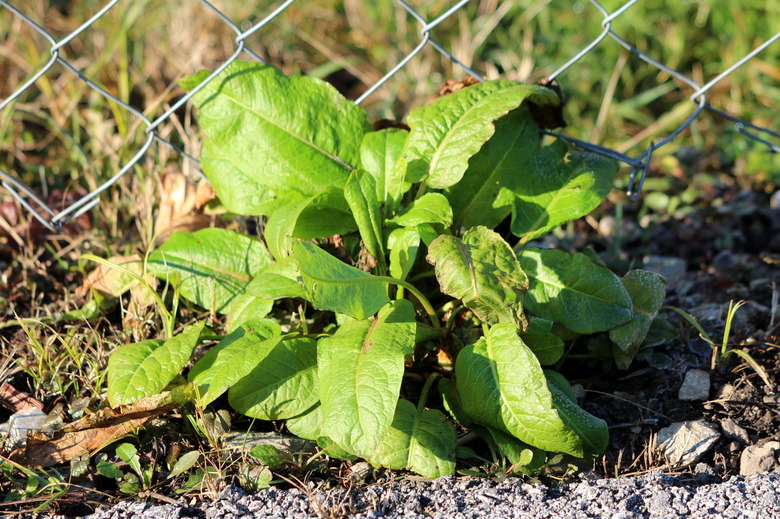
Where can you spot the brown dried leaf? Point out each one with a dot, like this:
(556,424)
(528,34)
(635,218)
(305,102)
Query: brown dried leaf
(451,86)
(181,203)
(10,212)
(95,431)
(15,400)
(203,195)
(112,282)
(177,198)
(187,223)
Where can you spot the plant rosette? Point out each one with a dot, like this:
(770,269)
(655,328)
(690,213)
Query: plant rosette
(383,243)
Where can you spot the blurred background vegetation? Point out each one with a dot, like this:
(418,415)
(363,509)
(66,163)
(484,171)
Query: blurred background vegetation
(63,139)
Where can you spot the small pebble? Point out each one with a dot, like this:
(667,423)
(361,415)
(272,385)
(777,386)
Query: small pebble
(695,386)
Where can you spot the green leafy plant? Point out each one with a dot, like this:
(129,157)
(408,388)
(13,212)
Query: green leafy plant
(24,483)
(721,354)
(380,281)
(138,479)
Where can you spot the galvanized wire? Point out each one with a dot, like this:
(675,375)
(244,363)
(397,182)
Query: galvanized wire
(54,220)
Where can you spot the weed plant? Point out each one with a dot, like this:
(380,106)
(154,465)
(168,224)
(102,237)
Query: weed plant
(139,51)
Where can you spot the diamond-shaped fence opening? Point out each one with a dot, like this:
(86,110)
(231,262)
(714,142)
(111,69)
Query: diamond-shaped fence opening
(51,90)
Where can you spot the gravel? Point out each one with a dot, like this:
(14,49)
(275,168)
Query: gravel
(651,496)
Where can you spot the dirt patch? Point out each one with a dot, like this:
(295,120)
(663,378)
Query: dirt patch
(724,250)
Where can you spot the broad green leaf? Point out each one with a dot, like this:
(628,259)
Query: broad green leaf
(333,285)
(267,134)
(360,193)
(109,470)
(403,244)
(361,367)
(572,290)
(281,225)
(318,216)
(501,385)
(647,291)
(278,281)
(379,154)
(330,448)
(212,266)
(449,131)
(561,184)
(327,214)
(428,233)
(485,194)
(560,382)
(430,208)
(233,358)
(129,454)
(539,325)
(452,403)
(547,347)
(283,385)
(591,253)
(483,272)
(146,368)
(270,455)
(251,309)
(255,478)
(307,425)
(419,440)
(184,463)
(593,431)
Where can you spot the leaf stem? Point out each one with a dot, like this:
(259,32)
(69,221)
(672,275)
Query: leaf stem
(453,314)
(425,390)
(421,190)
(422,275)
(302,316)
(420,297)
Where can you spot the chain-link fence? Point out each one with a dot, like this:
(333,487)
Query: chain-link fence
(610,19)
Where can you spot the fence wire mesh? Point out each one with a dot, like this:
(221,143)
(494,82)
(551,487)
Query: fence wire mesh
(19,17)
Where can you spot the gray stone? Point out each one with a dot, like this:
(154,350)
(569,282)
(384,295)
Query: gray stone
(757,459)
(695,386)
(685,442)
(30,419)
(733,431)
(652,496)
(772,399)
(673,269)
(245,441)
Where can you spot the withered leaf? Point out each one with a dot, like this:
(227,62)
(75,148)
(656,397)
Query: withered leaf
(95,431)
(451,86)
